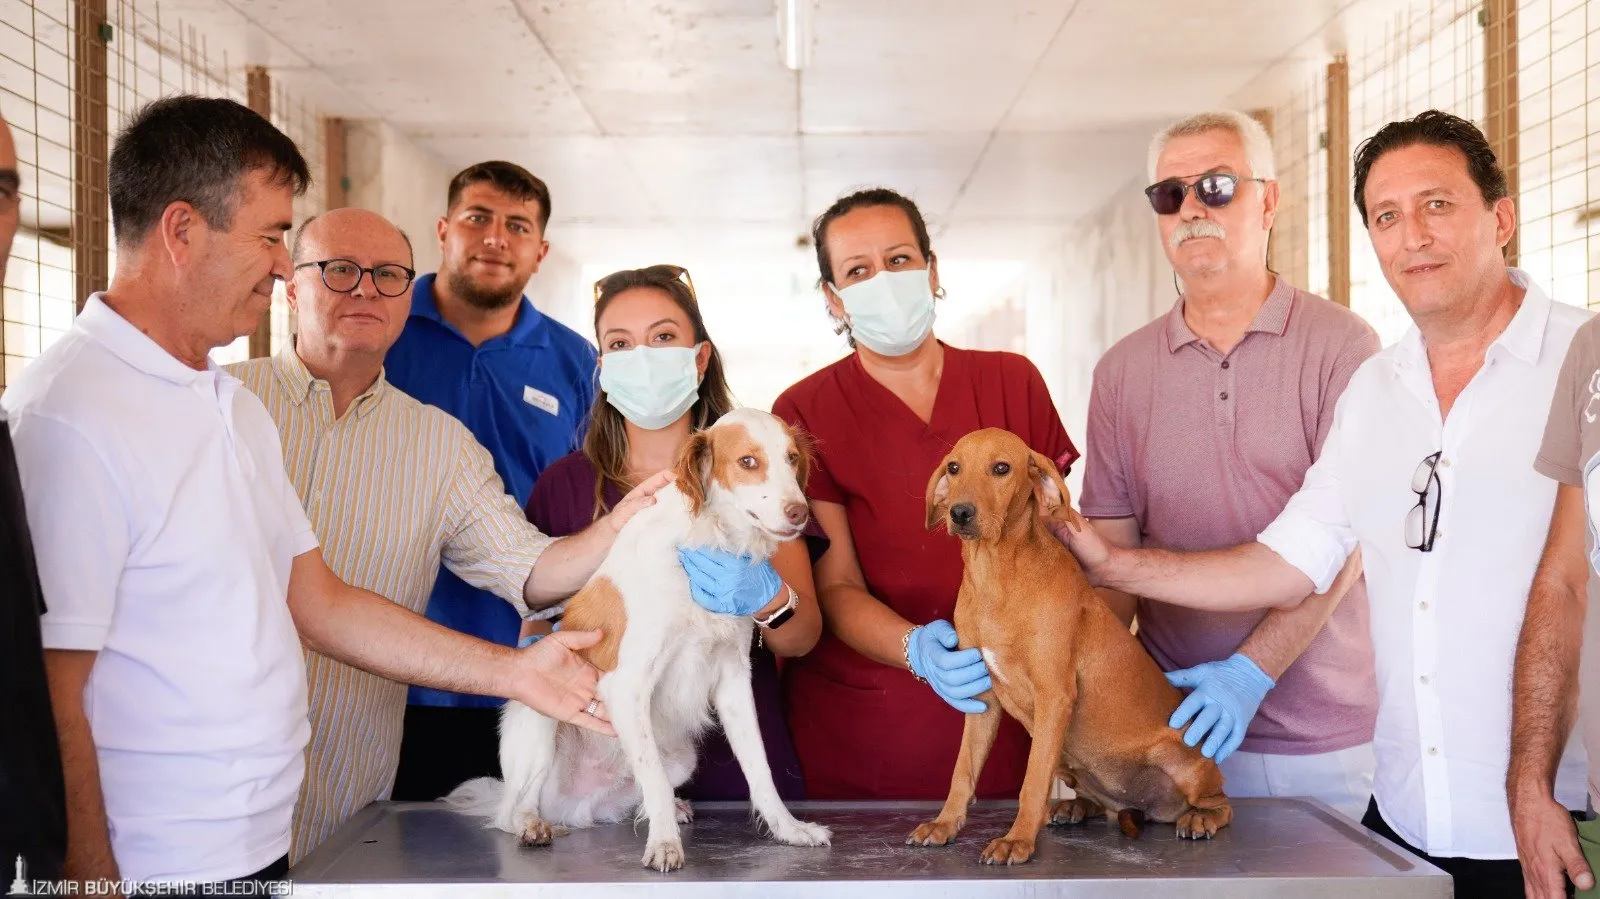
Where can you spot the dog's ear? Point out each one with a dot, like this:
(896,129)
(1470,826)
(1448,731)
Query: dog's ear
(1050,493)
(694,466)
(804,446)
(938,495)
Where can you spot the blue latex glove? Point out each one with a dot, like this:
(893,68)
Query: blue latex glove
(727,584)
(530,639)
(956,675)
(1225,698)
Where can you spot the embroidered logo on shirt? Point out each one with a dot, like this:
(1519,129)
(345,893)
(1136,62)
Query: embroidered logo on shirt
(541,400)
(1591,411)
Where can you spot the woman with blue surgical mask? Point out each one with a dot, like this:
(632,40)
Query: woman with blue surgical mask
(661,378)
(877,708)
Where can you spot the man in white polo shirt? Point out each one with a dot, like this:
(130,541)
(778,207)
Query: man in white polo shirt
(180,571)
(1429,469)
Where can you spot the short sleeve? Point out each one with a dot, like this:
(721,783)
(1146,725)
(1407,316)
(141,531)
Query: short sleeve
(78,519)
(820,484)
(1313,532)
(1105,481)
(1049,434)
(1361,345)
(489,543)
(1560,453)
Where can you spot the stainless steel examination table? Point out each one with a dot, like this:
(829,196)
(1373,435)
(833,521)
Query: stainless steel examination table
(1275,847)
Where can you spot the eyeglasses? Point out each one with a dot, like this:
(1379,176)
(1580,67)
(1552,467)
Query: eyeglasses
(640,277)
(1422,522)
(342,276)
(1215,190)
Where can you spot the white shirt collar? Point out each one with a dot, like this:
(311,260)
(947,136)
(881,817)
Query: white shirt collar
(1522,339)
(117,334)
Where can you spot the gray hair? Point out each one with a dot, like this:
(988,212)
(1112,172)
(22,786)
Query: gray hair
(1257,144)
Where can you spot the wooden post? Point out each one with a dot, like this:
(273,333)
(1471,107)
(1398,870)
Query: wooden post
(91,212)
(335,193)
(258,96)
(1339,196)
(1500,97)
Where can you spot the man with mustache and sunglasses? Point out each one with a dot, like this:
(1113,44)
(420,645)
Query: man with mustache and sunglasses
(1201,426)
(1428,473)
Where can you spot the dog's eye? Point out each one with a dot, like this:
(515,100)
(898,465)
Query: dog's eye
(748,462)
(793,458)
(953,468)
(1001,468)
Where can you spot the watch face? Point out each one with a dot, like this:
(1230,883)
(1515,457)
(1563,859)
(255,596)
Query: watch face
(784,614)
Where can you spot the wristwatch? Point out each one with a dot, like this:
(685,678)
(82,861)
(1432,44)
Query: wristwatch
(776,619)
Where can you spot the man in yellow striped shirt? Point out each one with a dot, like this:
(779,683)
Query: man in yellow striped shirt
(392,487)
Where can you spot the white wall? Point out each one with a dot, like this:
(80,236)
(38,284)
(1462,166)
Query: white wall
(393,177)
(1104,279)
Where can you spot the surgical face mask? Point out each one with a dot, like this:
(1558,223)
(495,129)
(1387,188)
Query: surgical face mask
(890,313)
(651,386)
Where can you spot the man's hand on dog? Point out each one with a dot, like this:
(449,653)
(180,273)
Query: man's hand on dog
(638,499)
(557,682)
(1225,697)
(1085,542)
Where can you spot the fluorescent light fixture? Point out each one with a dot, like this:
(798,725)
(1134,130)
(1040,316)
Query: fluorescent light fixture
(794,32)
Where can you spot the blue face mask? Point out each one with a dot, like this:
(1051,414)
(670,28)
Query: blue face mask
(890,313)
(651,386)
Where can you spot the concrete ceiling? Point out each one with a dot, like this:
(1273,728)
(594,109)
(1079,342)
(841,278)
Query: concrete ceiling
(1005,119)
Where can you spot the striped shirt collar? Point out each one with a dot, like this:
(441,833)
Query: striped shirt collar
(299,384)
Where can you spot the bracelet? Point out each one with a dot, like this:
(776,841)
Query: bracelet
(905,647)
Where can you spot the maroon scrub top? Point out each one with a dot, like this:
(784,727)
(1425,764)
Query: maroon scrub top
(865,730)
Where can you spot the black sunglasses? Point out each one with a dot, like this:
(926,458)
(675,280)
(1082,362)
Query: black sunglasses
(1420,531)
(1215,189)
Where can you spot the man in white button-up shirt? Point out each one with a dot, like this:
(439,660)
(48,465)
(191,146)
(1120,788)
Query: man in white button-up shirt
(1428,469)
(181,573)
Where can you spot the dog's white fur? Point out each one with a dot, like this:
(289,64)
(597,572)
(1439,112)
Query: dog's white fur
(675,664)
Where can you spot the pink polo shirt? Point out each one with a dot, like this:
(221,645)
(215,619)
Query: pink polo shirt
(1204,450)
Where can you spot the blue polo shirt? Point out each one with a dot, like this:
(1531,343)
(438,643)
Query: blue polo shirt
(526,397)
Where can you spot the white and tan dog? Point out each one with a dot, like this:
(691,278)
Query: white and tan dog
(666,662)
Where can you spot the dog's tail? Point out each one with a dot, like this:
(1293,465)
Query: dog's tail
(479,796)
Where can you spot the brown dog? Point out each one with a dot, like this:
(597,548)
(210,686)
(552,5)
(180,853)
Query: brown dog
(1094,701)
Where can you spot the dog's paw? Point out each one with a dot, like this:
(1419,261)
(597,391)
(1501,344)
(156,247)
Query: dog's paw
(1203,823)
(802,833)
(1074,811)
(1007,851)
(535,832)
(664,856)
(685,813)
(934,833)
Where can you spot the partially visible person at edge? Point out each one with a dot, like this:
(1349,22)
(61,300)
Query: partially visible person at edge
(522,383)
(33,802)
(661,377)
(883,419)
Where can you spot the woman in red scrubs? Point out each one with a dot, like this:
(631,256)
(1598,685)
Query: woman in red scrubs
(874,708)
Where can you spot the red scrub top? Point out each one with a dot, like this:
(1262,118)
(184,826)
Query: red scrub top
(864,730)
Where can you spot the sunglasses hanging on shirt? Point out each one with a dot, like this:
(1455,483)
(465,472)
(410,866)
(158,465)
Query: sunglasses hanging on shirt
(1214,189)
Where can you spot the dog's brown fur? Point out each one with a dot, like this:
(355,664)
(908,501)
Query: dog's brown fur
(1062,664)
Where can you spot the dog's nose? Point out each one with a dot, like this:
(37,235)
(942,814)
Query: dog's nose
(797,513)
(963,513)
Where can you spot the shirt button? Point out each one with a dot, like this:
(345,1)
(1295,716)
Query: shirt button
(1433,750)
(1224,363)
(1224,394)
(1424,678)
(1444,463)
(1423,605)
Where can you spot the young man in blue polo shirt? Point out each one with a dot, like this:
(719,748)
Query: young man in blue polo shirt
(522,383)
